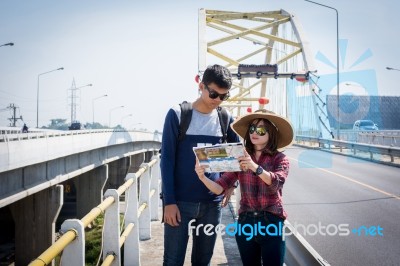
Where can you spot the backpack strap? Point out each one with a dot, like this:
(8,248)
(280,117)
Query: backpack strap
(223,121)
(186,117)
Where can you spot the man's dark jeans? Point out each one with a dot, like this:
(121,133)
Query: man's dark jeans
(176,238)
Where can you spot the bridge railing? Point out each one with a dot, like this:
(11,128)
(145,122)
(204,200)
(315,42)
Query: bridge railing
(17,135)
(377,137)
(141,208)
(353,146)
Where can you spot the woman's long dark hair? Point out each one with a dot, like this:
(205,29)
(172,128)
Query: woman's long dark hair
(272,145)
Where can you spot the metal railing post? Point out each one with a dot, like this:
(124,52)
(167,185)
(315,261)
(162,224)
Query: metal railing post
(74,253)
(155,186)
(131,246)
(111,229)
(144,200)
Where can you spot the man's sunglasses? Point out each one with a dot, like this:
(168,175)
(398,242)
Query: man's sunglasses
(213,94)
(260,130)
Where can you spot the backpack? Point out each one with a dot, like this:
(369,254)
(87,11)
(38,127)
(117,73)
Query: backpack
(186,117)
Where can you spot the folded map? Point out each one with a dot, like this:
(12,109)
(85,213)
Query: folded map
(220,157)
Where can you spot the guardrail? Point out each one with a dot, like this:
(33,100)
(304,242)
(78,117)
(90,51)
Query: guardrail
(140,209)
(355,147)
(380,137)
(299,251)
(17,135)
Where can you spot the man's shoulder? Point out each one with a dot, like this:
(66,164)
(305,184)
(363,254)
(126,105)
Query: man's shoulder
(178,110)
(174,111)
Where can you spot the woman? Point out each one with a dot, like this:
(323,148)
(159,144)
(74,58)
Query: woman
(264,171)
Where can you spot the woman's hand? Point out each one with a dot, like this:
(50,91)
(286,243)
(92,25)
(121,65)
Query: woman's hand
(246,163)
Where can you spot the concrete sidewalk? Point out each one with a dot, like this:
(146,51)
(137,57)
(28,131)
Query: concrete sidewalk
(225,252)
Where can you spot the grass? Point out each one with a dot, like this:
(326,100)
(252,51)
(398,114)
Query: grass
(93,241)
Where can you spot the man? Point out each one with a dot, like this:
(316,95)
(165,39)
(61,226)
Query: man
(184,196)
(24,129)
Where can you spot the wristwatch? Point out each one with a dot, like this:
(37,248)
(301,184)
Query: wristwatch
(259,170)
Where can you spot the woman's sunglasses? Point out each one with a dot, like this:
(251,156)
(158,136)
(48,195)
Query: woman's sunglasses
(260,130)
(213,94)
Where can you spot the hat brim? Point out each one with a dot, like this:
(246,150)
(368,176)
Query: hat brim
(285,129)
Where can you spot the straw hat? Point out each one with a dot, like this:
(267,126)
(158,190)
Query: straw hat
(283,126)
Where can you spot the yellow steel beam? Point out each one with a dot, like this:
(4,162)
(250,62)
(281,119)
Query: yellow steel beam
(239,15)
(235,105)
(246,99)
(255,32)
(223,57)
(287,57)
(265,20)
(240,86)
(233,32)
(268,56)
(246,31)
(275,38)
(246,90)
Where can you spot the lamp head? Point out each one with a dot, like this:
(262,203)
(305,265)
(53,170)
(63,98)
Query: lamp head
(8,44)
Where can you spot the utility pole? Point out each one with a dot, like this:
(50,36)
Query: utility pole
(13,118)
(74,98)
(73,101)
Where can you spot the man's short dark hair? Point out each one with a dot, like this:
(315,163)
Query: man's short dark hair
(218,74)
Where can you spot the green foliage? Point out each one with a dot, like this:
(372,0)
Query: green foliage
(58,124)
(93,241)
(94,125)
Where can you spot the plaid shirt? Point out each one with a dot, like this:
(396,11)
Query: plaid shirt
(256,195)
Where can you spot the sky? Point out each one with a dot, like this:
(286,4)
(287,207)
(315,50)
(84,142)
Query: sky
(143,54)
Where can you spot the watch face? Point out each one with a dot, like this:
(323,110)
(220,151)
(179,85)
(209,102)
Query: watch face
(259,170)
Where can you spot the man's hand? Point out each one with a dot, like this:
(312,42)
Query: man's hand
(227,196)
(172,216)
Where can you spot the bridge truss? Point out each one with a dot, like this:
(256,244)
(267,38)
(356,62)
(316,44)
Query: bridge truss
(270,39)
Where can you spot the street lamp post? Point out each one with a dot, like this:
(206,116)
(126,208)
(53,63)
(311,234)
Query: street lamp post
(391,68)
(7,44)
(109,115)
(37,94)
(337,64)
(122,118)
(135,124)
(105,95)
